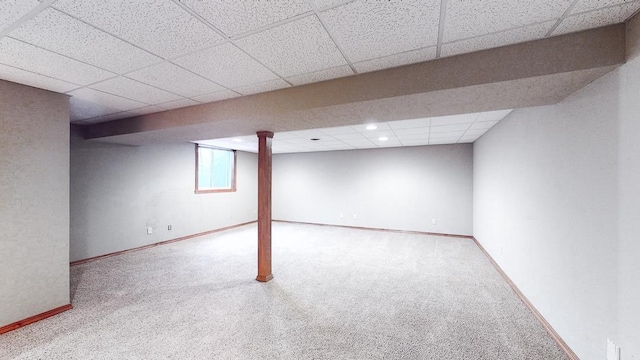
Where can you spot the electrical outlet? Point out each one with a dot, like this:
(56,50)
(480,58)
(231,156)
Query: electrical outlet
(149,230)
(613,352)
(433,221)
(355,216)
(341,216)
(169,227)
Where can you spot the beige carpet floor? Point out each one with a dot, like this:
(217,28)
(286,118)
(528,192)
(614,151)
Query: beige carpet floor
(337,294)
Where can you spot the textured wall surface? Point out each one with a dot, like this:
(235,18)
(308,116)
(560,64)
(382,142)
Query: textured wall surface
(118,191)
(395,188)
(34,201)
(556,203)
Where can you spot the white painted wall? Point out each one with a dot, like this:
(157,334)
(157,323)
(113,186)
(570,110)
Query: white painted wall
(392,188)
(118,191)
(34,201)
(628,158)
(557,204)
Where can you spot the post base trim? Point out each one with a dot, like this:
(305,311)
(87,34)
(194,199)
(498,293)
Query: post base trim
(263,278)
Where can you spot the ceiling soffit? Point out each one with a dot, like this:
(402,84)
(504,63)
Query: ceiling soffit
(578,56)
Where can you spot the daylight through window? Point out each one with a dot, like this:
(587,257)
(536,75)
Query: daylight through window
(215,169)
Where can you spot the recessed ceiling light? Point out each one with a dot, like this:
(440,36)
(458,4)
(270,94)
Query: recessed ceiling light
(237,140)
(383,138)
(315,139)
(371,127)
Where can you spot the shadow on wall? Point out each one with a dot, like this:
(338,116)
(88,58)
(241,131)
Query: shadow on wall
(76,275)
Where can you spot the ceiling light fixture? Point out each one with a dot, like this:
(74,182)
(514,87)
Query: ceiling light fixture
(237,140)
(371,127)
(383,138)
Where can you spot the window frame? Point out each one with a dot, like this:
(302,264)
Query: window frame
(233,187)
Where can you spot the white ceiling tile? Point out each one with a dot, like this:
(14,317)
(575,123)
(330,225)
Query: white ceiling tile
(294,145)
(443,141)
(468,139)
(454,119)
(262,87)
(360,143)
(297,141)
(160,26)
(410,123)
(364,128)
(36,80)
(298,47)
(32,58)
(247,138)
(352,136)
(317,76)
(300,150)
(593,19)
(334,143)
(475,132)
(470,18)
(413,137)
(282,143)
(446,135)
(369,29)
(226,65)
(482,125)
(178,104)
(337,144)
(493,115)
(448,128)
(395,60)
(279,148)
(415,142)
(12,10)
(234,17)
(58,32)
(88,103)
(282,151)
(342,147)
(315,146)
(412,133)
(377,134)
(342,130)
(134,90)
(284,135)
(173,78)
(589,5)
(507,37)
(216,96)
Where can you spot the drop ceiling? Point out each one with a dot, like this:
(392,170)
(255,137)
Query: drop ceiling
(453,129)
(119,59)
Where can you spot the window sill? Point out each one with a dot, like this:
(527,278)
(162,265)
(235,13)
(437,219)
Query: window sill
(212,191)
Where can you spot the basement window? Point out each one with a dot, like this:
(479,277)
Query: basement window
(215,170)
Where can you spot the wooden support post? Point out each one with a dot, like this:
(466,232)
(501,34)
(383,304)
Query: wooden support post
(264,206)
